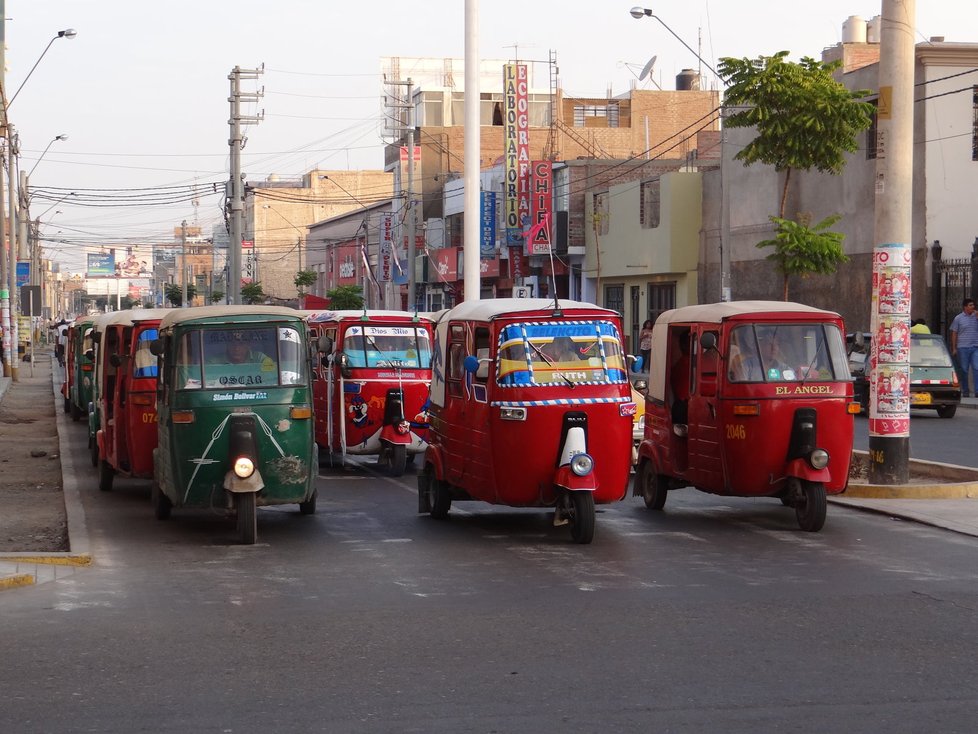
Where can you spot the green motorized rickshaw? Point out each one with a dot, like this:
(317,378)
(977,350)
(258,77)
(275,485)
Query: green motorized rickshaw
(235,412)
(79,368)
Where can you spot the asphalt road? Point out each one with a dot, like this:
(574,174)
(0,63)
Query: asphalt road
(716,615)
(952,440)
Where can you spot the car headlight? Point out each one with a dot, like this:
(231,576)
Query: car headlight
(244,467)
(819,459)
(582,464)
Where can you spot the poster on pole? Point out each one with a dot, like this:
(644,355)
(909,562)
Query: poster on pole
(889,359)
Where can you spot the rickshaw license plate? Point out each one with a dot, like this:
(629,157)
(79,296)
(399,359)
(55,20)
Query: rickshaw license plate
(920,398)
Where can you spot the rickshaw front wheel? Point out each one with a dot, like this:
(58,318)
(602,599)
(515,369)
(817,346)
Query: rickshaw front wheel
(105,476)
(161,503)
(811,507)
(309,506)
(397,459)
(653,486)
(246,508)
(93,450)
(582,520)
(438,496)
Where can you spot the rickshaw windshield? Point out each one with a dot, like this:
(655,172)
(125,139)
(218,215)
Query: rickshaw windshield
(796,352)
(245,356)
(87,341)
(387,346)
(560,353)
(144,361)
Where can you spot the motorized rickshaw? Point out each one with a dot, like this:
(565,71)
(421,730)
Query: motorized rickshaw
(79,368)
(235,412)
(749,399)
(530,407)
(371,383)
(123,422)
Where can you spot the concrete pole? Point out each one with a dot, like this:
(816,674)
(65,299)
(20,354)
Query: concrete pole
(411,254)
(889,416)
(236,203)
(473,164)
(183,261)
(5,260)
(14,252)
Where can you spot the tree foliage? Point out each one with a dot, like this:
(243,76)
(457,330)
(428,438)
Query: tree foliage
(346,297)
(252,293)
(804,119)
(217,296)
(802,249)
(304,279)
(173,292)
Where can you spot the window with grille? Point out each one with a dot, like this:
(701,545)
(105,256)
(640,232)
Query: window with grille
(649,205)
(974,124)
(610,112)
(614,298)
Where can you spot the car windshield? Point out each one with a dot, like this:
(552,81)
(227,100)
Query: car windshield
(928,350)
(245,356)
(786,353)
(560,353)
(406,346)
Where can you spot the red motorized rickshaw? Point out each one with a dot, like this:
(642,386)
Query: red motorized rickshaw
(749,399)
(126,376)
(371,382)
(530,407)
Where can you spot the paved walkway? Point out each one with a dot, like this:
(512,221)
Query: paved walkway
(20,569)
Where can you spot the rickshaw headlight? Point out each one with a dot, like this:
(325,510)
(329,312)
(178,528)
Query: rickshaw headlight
(244,467)
(819,459)
(582,464)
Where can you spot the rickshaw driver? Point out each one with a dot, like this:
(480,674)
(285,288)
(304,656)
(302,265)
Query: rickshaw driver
(775,363)
(238,352)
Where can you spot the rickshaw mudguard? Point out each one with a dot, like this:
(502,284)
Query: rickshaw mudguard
(570,481)
(236,485)
(803,470)
(390,434)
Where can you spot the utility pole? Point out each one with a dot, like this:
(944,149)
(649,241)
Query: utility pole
(236,186)
(13,249)
(472,278)
(411,254)
(9,364)
(183,261)
(889,410)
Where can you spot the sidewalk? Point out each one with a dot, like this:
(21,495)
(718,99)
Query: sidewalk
(22,569)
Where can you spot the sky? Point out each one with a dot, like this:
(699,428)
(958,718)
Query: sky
(141,90)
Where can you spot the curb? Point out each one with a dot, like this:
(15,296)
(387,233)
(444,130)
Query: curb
(945,481)
(78,554)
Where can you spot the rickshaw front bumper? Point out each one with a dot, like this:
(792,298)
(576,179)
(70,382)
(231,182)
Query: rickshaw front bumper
(803,470)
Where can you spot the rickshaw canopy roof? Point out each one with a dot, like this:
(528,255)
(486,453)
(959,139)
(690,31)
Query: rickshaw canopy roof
(713,313)
(129,316)
(324,316)
(177,316)
(493,308)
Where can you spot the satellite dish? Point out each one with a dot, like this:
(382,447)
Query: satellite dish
(647,69)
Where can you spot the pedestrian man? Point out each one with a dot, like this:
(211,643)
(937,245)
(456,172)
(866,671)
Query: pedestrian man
(964,347)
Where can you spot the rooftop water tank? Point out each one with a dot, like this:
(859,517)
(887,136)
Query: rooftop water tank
(874,28)
(854,30)
(687,80)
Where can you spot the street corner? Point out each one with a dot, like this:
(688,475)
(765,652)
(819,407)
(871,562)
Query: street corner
(928,480)
(18,570)
(15,580)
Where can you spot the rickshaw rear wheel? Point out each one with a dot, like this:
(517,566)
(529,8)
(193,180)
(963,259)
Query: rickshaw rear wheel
(105,475)
(309,506)
(811,507)
(653,486)
(439,498)
(93,449)
(161,503)
(246,508)
(582,521)
(398,460)
(75,412)
(67,405)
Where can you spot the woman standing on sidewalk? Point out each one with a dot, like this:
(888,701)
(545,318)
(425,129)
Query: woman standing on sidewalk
(645,344)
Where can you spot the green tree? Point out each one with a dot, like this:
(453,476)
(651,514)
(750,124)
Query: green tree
(346,297)
(801,249)
(217,296)
(304,279)
(804,119)
(252,293)
(128,302)
(174,293)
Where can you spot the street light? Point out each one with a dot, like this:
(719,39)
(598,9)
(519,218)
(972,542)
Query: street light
(38,161)
(67,33)
(725,291)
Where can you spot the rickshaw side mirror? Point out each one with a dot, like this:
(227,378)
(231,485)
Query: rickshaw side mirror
(90,354)
(859,338)
(641,386)
(115,360)
(324,360)
(708,340)
(471,364)
(96,336)
(324,344)
(345,365)
(156,347)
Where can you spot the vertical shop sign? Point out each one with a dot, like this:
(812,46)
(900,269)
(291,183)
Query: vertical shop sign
(541,204)
(516,153)
(487,239)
